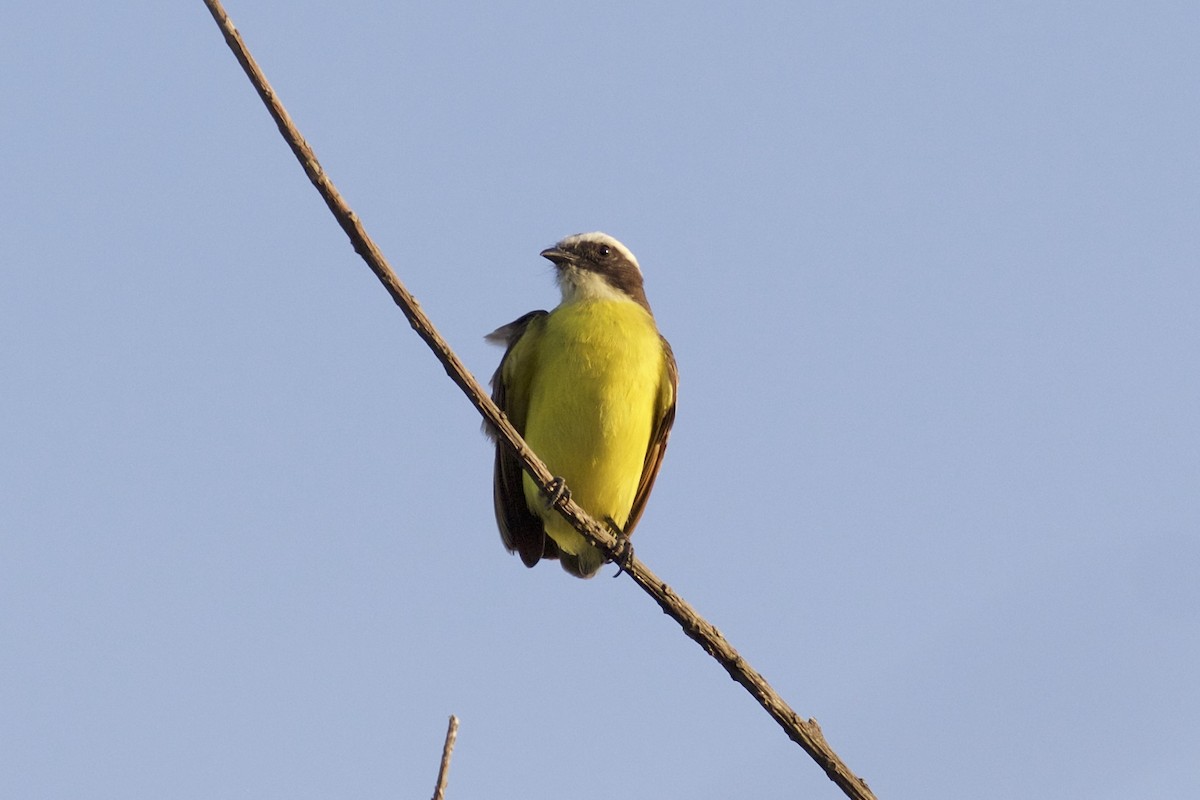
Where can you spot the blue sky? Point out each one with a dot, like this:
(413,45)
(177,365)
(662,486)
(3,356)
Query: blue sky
(930,275)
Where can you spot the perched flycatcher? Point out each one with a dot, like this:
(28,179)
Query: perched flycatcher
(591,387)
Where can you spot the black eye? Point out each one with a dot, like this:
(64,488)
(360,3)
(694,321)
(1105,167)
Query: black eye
(604,251)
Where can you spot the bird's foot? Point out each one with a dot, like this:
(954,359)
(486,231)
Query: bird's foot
(623,556)
(556,492)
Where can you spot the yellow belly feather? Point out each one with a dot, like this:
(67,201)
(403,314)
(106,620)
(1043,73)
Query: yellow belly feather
(592,407)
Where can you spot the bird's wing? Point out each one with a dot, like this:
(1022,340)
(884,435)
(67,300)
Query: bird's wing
(665,415)
(520,529)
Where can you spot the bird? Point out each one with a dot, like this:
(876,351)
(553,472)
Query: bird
(591,387)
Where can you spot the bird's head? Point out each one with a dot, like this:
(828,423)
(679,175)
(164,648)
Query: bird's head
(595,266)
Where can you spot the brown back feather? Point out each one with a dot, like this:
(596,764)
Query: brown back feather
(658,444)
(520,529)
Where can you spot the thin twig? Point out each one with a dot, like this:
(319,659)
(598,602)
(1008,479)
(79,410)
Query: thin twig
(805,733)
(439,791)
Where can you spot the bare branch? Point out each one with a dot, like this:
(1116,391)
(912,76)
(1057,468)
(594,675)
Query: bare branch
(439,791)
(805,733)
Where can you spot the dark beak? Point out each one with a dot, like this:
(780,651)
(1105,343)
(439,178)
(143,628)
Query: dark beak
(560,257)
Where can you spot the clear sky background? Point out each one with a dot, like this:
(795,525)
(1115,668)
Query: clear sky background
(931,272)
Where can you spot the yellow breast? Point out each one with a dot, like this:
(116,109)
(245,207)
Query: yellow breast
(592,408)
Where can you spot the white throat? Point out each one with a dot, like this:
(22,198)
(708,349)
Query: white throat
(581,285)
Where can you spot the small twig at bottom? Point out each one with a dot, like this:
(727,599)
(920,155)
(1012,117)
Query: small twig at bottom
(439,791)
